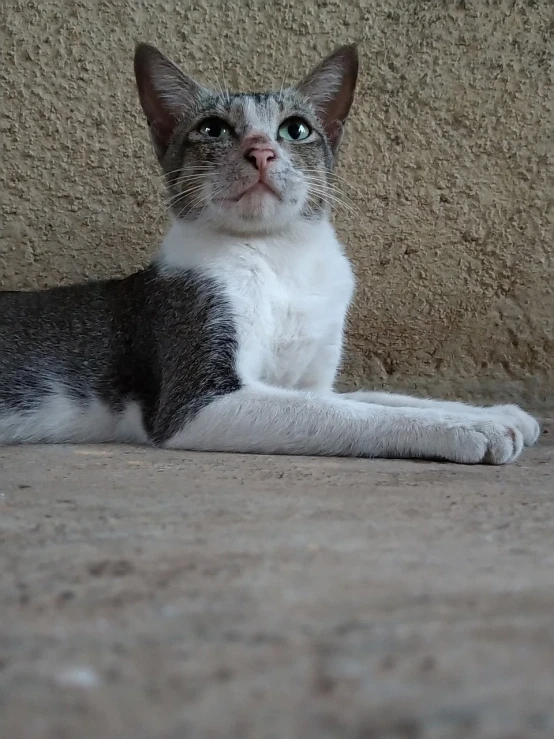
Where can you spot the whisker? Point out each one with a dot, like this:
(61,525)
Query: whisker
(169,202)
(312,200)
(328,187)
(184,168)
(191,172)
(329,199)
(338,178)
(282,87)
(193,205)
(333,174)
(188,173)
(186,180)
(225,91)
(329,196)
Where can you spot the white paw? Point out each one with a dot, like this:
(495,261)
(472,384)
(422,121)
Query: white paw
(513,415)
(469,440)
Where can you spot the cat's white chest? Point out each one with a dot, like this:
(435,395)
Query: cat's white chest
(286,312)
(287,296)
(282,327)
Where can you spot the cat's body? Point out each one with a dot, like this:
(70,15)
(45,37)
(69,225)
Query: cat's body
(232,338)
(88,362)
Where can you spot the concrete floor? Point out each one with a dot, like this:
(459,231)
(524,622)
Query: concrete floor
(161,594)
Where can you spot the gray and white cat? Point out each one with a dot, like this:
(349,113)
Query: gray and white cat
(230,340)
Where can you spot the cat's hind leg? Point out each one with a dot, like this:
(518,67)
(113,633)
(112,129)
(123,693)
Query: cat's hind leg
(56,416)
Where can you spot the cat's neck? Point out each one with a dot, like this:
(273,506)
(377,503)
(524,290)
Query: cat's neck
(190,245)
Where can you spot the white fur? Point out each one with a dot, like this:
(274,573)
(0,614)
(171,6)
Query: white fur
(506,414)
(263,419)
(289,294)
(61,419)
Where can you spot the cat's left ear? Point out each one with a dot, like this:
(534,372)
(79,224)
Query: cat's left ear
(166,94)
(330,89)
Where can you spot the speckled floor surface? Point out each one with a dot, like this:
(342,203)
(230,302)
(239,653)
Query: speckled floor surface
(161,594)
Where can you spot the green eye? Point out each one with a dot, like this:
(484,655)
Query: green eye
(294,129)
(214,128)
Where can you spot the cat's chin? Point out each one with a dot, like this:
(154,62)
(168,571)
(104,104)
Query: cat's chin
(253,213)
(255,202)
(256,195)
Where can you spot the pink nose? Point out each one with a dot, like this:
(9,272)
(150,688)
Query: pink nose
(260,158)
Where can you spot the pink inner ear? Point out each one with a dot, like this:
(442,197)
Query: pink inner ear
(162,129)
(339,108)
(160,117)
(334,130)
(162,88)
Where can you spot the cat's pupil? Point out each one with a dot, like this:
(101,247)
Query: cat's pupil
(295,130)
(213,128)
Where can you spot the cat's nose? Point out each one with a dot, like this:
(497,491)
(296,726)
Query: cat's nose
(260,157)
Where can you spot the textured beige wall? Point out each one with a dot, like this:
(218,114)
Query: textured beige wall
(448,156)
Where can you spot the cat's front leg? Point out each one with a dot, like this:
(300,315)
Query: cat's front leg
(265,420)
(510,415)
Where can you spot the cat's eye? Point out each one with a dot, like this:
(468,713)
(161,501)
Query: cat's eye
(294,129)
(214,128)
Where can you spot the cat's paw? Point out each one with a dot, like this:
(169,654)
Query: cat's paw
(481,441)
(513,415)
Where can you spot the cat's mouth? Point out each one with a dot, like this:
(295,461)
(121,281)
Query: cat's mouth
(259,189)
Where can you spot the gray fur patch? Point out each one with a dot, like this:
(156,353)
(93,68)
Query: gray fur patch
(166,343)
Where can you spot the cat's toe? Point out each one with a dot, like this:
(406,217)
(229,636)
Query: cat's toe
(486,442)
(504,443)
(513,415)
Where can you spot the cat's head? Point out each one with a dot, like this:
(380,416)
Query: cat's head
(247,163)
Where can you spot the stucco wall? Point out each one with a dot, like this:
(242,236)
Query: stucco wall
(447,154)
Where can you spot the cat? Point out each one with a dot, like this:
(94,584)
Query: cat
(231,338)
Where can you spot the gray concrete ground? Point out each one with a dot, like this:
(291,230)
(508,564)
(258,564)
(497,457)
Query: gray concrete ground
(161,594)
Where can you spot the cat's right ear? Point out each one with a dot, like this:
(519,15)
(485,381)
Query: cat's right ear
(165,94)
(330,88)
